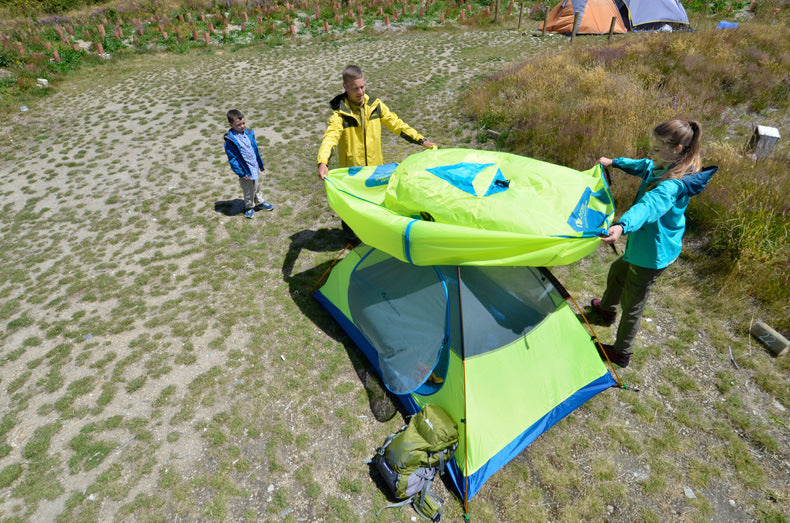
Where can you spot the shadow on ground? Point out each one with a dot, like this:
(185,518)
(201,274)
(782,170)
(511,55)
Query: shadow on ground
(229,207)
(383,404)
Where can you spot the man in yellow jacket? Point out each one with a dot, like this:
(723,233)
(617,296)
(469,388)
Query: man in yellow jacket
(355,126)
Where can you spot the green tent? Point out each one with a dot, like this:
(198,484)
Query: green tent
(513,356)
(449,281)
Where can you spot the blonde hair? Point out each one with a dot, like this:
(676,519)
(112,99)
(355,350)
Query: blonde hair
(687,134)
(351,73)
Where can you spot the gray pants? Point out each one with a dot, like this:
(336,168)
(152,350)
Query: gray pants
(629,286)
(252,192)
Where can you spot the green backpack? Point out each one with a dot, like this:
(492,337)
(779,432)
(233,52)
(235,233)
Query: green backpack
(409,460)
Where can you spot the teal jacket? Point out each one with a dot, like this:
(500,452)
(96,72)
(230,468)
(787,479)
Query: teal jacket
(656,221)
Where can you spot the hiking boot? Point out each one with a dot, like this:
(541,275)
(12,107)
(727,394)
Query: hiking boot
(265,206)
(607,351)
(249,213)
(607,316)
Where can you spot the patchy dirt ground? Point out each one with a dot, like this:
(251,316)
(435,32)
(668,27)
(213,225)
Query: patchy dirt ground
(162,358)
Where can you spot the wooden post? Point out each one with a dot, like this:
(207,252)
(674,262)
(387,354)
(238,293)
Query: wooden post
(776,343)
(763,140)
(611,28)
(545,20)
(575,26)
(496,10)
(520,14)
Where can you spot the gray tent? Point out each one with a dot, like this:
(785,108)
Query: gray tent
(650,15)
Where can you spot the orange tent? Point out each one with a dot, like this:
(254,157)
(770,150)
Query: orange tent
(596,17)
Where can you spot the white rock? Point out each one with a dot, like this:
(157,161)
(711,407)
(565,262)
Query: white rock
(689,493)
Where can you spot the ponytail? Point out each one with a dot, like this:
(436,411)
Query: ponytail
(687,134)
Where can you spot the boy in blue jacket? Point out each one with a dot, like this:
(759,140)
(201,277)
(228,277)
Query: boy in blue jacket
(246,162)
(655,224)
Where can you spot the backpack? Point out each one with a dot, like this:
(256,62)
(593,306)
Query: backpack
(409,460)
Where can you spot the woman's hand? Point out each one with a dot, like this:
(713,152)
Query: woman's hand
(613,234)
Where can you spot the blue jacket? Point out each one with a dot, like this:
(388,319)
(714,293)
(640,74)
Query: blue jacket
(235,159)
(656,221)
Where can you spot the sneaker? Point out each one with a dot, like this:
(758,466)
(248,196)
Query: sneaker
(249,213)
(607,351)
(265,206)
(606,316)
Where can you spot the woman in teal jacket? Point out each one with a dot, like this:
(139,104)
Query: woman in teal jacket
(655,224)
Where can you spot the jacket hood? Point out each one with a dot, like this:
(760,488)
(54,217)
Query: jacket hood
(694,183)
(229,135)
(338,102)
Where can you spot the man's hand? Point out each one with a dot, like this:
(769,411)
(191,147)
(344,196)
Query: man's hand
(606,162)
(323,170)
(613,234)
(429,145)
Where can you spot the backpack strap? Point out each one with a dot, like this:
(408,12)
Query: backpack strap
(399,505)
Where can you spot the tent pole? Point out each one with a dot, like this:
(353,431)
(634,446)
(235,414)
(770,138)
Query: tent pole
(465,421)
(569,299)
(347,247)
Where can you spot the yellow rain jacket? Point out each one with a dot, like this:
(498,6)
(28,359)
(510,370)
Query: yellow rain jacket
(359,145)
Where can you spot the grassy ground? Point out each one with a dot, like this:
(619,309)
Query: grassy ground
(162,357)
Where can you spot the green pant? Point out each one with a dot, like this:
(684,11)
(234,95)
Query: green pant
(628,286)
